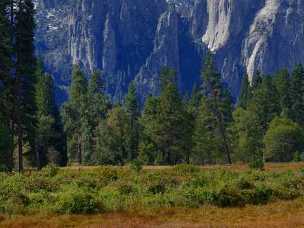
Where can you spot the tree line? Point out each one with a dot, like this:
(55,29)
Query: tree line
(204,127)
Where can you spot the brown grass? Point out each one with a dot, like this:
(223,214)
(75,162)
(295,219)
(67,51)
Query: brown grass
(279,214)
(235,167)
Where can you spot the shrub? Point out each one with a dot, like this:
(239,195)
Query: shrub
(74,200)
(297,157)
(136,166)
(186,169)
(14,204)
(49,171)
(227,197)
(257,163)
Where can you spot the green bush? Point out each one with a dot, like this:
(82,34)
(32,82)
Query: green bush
(136,166)
(15,204)
(75,200)
(257,163)
(120,189)
(49,171)
(186,169)
(227,197)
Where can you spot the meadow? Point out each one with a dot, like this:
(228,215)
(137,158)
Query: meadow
(179,196)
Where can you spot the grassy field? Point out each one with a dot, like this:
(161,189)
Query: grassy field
(181,196)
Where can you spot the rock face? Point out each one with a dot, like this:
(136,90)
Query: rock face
(133,39)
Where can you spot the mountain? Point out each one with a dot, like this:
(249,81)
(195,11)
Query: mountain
(133,39)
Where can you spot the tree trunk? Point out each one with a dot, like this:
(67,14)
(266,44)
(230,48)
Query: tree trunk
(38,158)
(79,152)
(12,147)
(20,150)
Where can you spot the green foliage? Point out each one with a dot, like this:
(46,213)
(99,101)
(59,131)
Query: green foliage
(73,200)
(136,165)
(282,140)
(113,136)
(296,93)
(132,110)
(257,162)
(245,94)
(186,169)
(217,102)
(49,132)
(109,189)
(163,123)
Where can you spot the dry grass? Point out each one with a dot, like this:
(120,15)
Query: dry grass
(235,167)
(279,214)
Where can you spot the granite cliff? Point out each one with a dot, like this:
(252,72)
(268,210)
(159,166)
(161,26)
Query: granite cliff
(132,39)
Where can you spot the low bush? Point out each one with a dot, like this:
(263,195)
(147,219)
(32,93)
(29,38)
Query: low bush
(75,200)
(109,189)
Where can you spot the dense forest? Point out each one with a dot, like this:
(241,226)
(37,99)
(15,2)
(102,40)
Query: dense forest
(204,127)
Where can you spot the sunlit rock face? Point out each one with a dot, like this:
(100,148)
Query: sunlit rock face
(133,39)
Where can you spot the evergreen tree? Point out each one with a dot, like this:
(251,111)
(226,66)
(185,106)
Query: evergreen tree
(191,113)
(5,146)
(6,97)
(206,144)
(96,107)
(219,103)
(112,138)
(24,85)
(248,135)
(265,103)
(49,135)
(283,87)
(5,47)
(245,94)
(148,148)
(74,116)
(171,132)
(132,109)
(297,95)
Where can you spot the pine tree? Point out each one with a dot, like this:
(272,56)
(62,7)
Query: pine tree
(5,46)
(5,146)
(297,95)
(248,136)
(148,149)
(171,132)
(112,138)
(96,112)
(24,85)
(45,120)
(49,133)
(283,87)
(219,103)
(132,109)
(206,144)
(191,115)
(245,93)
(265,102)
(6,65)
(251,124)
(74,115)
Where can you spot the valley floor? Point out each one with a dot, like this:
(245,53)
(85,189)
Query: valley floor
(279,214)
